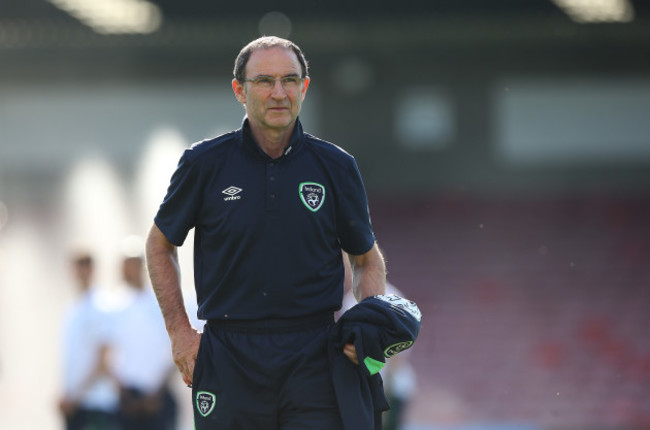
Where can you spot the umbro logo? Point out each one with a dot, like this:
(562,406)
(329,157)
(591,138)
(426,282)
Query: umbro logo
(232,192)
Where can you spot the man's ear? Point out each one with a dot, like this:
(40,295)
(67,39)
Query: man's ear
(238,89)
(305,85)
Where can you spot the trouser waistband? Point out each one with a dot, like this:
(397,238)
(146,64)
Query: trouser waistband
(273,325)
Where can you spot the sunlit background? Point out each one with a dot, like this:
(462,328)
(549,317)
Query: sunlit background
(505,145)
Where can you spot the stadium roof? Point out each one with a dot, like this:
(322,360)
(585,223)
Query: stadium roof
(45,24)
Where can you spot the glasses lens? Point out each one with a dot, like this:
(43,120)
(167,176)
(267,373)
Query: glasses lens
(290,81)
(264,82)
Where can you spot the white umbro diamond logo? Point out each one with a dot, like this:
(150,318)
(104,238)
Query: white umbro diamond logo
(232,192)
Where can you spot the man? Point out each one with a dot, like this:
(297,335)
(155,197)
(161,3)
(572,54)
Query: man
(143,364)
(90,398)
(272,208)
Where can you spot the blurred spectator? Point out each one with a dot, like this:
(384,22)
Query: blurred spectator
(90,395)
(400,384)
(143,360)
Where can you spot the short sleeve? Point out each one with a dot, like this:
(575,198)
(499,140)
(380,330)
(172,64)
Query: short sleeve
(353,217)
(178,212)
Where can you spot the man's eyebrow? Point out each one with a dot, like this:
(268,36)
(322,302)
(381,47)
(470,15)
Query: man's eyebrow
(289,75)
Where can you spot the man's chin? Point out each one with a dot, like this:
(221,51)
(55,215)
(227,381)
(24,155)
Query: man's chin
(280,123)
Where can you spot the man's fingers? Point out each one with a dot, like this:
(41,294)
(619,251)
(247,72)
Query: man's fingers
(186,369)
(187,380)
(190,371)
(351,352)
(185,349)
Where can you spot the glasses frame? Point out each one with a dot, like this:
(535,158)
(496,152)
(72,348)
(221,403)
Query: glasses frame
(284,81)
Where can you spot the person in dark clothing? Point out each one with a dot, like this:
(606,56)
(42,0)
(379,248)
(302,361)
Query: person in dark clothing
(272,208)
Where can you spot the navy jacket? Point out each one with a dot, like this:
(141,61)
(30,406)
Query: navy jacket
(379,327)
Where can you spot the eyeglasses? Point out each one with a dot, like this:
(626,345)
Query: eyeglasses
(289,82)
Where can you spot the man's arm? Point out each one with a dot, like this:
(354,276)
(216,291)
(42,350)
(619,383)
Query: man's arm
(368,279)
(164,270)
(369,273)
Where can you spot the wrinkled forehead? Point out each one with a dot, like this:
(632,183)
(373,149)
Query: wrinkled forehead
(275,61)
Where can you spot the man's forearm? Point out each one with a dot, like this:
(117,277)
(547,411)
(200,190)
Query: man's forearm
(369,274)
(164,271)
(162,262)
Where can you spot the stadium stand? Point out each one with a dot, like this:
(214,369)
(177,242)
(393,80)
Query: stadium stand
(536,310)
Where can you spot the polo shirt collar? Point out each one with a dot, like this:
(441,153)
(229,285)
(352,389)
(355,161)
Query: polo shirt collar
(252,148)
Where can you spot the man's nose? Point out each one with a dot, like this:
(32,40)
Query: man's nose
(278,89)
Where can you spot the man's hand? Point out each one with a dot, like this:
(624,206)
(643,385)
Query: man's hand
(185,347)
(350,351)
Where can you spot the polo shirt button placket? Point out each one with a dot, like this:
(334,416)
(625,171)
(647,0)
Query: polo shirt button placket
(272,186)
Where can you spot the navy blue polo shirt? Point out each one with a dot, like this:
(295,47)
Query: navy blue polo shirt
(268,232)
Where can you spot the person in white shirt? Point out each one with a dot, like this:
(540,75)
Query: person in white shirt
(143,361)
(90,395)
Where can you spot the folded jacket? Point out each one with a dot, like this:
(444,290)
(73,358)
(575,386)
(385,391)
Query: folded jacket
(379,327)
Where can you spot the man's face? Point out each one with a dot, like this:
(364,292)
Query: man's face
(132,271)
(83,271)
(276,107)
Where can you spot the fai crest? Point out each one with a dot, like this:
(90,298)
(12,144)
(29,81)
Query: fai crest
(397,348)
(312,195)
(205,402)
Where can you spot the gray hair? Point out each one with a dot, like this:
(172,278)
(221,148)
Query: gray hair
(267,42)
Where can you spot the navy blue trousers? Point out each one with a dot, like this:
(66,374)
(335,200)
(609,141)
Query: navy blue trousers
(265,375)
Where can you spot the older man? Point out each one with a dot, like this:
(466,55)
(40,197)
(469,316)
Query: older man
(272,208)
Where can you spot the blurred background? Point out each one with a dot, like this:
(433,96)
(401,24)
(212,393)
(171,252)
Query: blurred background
(505,146)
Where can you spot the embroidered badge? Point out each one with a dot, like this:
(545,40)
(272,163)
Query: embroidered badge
(397,348)
(312,195)
(205,402)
